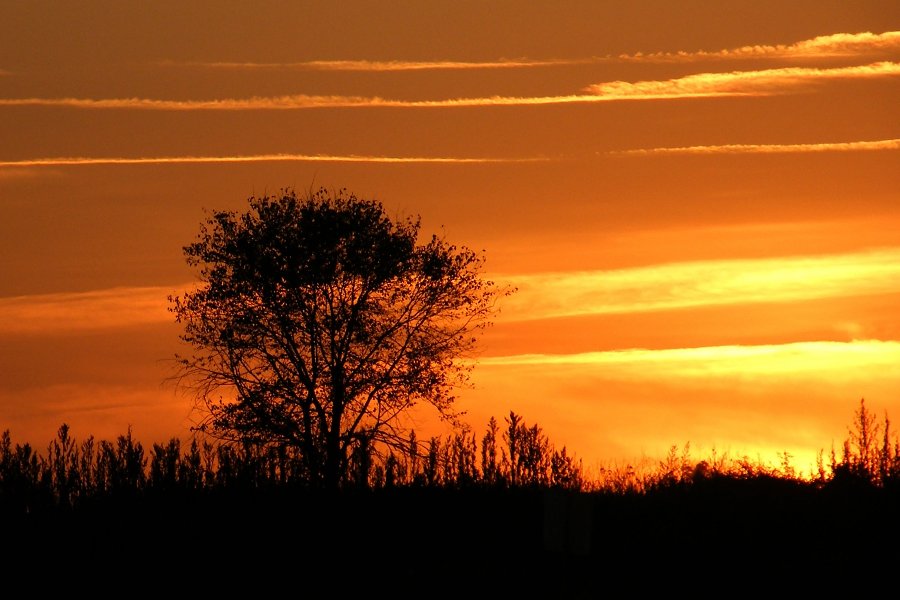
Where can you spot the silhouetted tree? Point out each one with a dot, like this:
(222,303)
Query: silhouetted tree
(490,467)
(512,454)
(459,459)
(412,459)
(863,442)
(64,468)
(865,459)
(565,471)
(121,466)
(529,458)
(432,462)
(321,320)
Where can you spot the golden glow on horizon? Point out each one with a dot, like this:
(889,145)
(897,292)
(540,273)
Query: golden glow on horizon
(701,85)
(751,400)
(866,146)
(701,283)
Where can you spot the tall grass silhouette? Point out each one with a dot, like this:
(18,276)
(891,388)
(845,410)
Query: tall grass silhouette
(506,503)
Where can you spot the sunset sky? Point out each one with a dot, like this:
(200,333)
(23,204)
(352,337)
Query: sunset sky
(699,202)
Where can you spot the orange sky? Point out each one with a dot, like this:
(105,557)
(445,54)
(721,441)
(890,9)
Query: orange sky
(699,201)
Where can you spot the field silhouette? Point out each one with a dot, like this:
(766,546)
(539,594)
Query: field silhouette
(507,512)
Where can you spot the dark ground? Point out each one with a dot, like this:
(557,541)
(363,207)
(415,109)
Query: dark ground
(747,536)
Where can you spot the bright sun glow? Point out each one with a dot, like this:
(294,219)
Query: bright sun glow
(704,283)
(825,360)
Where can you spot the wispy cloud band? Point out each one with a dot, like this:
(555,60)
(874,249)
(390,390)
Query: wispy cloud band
(860,146)
(737,83)
(823,46)
(383,66)
(820,359)
(70,161)
(700,85)
(85,311)
(295,102)
(540,296)
(703,283)
(253,103)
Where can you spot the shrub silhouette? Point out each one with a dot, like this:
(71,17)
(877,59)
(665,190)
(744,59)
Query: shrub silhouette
(71,471)
(869,455)
(517,498)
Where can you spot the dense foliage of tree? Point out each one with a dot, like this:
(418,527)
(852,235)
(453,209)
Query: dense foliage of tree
(320,321)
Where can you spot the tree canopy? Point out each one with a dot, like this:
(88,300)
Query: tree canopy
(319,321)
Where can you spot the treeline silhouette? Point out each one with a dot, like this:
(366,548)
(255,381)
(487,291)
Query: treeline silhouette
(518,456)
(459,502)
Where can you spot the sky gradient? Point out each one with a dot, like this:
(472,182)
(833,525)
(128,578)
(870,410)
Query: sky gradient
(699,202)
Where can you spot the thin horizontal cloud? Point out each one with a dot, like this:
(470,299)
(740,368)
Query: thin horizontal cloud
(861,146)
(70,161)
(821,359)
(823,46)
(701,283)
(737,83)
(253,103)
(295,102)
(85,311)
(833,45)
(701,85)
(382,66)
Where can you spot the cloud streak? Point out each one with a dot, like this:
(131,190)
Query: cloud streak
(541,296)
(293,102)
(384,66)
(296,102)
(824,46)
(85,311)
(823,359)
(701,85)
(737,83)
(699,284)
(861,146)
(79,161)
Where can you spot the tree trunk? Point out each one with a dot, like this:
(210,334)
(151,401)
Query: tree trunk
(334,463)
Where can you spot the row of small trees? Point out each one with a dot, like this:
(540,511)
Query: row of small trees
(517,456)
